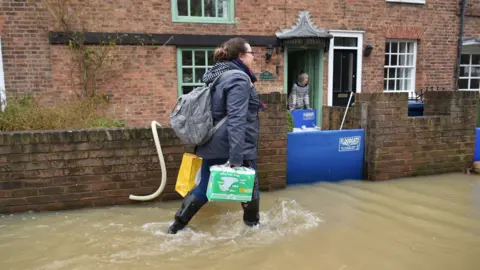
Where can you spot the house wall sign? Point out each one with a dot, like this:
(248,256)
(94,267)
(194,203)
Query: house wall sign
(266,76)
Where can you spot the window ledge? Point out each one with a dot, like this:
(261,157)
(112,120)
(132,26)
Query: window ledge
(421,2)
(202,20)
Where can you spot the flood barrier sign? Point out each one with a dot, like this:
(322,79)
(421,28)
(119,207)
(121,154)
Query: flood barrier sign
(349,143)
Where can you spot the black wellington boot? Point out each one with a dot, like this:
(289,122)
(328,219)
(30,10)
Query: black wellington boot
(251,215)
(189,208)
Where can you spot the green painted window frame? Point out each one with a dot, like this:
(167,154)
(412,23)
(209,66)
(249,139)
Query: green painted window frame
(230,19)
(193,66)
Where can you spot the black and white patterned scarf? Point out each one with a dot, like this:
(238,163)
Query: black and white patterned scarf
(221,67)
(216,71)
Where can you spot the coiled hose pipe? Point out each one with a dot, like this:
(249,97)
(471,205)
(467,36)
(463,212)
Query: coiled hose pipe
(162,167)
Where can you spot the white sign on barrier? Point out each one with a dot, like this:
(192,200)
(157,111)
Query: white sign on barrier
(308,116)
(346,144)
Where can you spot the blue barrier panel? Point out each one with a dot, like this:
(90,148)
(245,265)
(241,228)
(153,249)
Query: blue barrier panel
(476,156)
(331,155)
(307,118)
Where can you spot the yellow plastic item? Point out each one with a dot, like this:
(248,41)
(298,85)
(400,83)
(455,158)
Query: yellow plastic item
(191,163)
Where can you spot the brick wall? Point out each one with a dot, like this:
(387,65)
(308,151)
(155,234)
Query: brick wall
(472,27)
(333,116)
(398,145)
(146,93)
(54,170)
(143,81)
(272,148)
(472,19)
(382,20)
(26,53)
(473,8)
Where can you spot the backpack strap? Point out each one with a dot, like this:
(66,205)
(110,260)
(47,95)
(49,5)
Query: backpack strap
(219,124)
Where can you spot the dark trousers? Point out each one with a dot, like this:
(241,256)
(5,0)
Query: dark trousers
(197,197)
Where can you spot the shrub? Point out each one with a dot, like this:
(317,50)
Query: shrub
(24,113)
(289,122)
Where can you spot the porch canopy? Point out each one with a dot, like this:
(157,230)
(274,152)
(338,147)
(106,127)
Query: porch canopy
(471,45)
(304,33)
(471,41)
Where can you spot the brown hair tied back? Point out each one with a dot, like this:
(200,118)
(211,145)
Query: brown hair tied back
(230,50)
(220,54)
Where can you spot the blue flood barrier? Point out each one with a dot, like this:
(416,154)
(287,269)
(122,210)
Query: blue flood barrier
(476,155)
(307,118)
(330,155)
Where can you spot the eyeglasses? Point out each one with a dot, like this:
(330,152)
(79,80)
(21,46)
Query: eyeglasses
(252,53)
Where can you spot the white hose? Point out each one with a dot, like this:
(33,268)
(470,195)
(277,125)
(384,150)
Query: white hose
(162,167)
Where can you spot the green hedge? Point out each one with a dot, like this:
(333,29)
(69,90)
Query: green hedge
(289,122)
(24,113)
(478,116)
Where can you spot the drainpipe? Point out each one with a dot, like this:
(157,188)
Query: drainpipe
(463,4)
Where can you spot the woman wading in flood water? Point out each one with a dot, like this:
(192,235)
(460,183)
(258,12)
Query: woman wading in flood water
(235,97)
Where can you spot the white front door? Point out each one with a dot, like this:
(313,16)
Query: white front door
(344,66)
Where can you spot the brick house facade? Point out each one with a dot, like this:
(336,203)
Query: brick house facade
(470,62)
(413,45)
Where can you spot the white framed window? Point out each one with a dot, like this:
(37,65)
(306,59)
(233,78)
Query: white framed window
(407,1)
(469,79)
(400,66)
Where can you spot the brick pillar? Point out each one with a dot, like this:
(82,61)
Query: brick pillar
(272,161)
(387,114)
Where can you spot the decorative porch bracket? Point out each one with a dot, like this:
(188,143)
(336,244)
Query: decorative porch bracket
(304,33)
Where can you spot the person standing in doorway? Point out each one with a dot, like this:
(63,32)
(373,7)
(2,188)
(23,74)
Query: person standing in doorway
(236,141)
(299,98)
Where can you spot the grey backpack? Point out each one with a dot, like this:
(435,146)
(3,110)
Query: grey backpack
(192,119)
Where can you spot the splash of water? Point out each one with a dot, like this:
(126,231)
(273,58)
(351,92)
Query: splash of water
(285,218)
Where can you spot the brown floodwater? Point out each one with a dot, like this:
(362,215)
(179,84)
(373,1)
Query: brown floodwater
(407,224)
